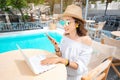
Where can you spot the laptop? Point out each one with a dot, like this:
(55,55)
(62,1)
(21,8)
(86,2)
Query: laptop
(34,62)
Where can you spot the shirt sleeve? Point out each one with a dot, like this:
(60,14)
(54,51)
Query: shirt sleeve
(82,60)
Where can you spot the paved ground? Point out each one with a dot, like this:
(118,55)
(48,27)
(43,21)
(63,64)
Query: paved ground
(112,75)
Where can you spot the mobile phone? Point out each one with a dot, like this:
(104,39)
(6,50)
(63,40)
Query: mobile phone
(49,37)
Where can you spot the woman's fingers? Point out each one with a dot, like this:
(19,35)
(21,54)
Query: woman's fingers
(44,62)
(51,60)
(52,40)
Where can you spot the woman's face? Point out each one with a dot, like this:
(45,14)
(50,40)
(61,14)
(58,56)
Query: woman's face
(70,26)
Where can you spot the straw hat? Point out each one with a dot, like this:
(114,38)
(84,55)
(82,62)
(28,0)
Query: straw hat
(74,11)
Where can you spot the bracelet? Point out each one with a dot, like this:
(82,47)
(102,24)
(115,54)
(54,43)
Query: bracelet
(57,50)
(67,64)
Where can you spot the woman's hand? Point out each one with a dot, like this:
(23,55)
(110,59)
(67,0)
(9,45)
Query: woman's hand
(57,49)
(51,60)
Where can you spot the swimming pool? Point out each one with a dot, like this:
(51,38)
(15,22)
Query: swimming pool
(31,40)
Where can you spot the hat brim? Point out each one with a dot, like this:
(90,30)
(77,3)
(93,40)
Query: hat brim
(71,15)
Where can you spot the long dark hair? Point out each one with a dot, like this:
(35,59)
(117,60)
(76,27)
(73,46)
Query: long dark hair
(81,31)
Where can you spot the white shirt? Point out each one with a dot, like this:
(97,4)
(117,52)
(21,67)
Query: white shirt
(77,52)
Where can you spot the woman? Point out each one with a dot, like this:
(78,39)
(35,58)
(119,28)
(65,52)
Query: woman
(75,47)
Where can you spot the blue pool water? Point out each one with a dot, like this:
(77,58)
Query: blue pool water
(28,41)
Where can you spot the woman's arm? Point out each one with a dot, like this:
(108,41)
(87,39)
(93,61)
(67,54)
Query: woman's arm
(73,65)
